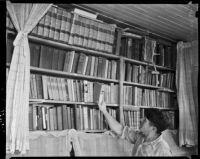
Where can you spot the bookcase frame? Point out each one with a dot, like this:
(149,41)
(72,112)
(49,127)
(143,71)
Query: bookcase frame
(120,81)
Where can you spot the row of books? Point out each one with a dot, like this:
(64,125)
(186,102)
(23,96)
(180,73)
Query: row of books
(67,27)
(143,74)
(61,117)
(47,57)
(166,80)
(74,62)
(92,34)
(132,119)
(146,97)
(144,49)
(166,55)
(139,74)
(64,89)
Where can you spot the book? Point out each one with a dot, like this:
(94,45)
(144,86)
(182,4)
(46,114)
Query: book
(53,11)
(64,117)
(81,63)
(55,59)
(30,118)
(61,60)
(98,91)
(51,118)
(85,13)
(9,50)
(75,62)
(47,22)
(58,24)
(45,87)
(59,117)
(40,26)
(88,67)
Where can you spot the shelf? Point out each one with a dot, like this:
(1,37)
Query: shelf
(93,131)
(140,85)
(45,101)
(67,74)
(46,41)
(161,89)
(132,107)
(148,64)
(41,132)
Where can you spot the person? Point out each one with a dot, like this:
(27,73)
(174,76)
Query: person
(148,140)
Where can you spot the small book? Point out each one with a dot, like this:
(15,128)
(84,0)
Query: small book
(98,90)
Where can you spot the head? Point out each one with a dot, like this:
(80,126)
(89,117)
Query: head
(153,122)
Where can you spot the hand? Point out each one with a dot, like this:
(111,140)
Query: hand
(102,103)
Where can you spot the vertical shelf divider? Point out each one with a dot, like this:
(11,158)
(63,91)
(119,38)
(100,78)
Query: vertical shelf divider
(121,90)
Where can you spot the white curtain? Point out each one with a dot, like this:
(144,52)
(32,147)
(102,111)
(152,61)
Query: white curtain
(187,92)
(25,17)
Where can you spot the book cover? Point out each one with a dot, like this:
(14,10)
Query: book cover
(53,11)
(40,26)
(60,91)
(61,60)
(51,118)
(64,117)
(44,124)
(47,23)
(9,50)
(63,25)
(31,118)
(75,62)
(81,61)
(44,84)
(77,118)
(58,24)
(68,27)
(55,58)
(59,117)
(88,68)
(34,119)
(98,90)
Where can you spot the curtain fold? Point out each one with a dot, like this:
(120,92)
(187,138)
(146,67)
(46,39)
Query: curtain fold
(187,95)
(25,17)
(91,144)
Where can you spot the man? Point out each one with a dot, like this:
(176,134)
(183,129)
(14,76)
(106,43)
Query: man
(148,141)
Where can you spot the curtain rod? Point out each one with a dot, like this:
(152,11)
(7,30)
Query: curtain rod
(147,31)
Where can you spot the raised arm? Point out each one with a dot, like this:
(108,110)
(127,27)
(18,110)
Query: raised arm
(113,124)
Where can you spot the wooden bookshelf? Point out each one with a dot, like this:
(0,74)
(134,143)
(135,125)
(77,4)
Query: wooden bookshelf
(120,80)
(45,101)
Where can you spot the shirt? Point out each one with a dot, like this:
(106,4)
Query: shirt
(158,147)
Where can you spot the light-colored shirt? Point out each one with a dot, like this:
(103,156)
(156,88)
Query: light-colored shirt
(158,147)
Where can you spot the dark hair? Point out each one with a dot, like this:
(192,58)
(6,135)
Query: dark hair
(156,118)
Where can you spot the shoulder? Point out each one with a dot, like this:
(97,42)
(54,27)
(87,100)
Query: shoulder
(162,148)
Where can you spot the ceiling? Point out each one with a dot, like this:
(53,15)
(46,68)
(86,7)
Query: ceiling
(172,21)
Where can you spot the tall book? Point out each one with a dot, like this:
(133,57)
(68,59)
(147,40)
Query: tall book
(75,62)
(59,117)
(9,50)
(61,60)
(53,11)
(98,91)
(58,23)
(55,58)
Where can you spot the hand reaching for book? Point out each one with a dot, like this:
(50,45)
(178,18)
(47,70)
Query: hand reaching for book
(102,103)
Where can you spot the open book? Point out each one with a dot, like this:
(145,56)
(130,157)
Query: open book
(98,92)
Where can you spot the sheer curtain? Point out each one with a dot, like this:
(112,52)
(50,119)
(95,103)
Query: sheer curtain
(187,92)
(25,17)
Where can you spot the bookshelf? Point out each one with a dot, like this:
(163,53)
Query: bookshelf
(106,47)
